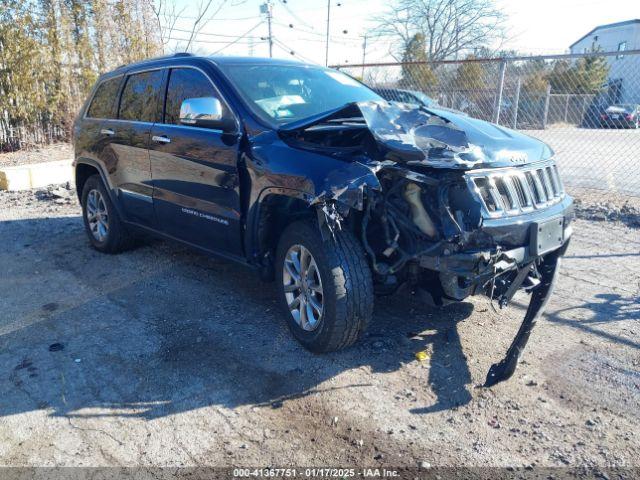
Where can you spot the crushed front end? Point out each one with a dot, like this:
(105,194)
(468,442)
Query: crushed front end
(450,205)
(455,234)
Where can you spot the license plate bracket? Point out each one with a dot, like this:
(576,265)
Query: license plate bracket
(547,236)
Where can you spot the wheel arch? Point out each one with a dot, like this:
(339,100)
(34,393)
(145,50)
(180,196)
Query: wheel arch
(274,210)
(85,168)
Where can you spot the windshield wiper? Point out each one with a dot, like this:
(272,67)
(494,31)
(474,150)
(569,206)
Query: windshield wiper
(313,119)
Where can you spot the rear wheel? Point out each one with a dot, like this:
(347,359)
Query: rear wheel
(104,228)
(325,287)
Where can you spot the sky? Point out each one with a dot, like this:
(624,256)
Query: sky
(299,27)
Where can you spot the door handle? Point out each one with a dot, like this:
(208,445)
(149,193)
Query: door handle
(107,131)
(161,139)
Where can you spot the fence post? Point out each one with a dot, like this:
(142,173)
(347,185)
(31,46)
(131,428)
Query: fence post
(583,110)
(545,114)
(516,103)
(566,109)
(496,109)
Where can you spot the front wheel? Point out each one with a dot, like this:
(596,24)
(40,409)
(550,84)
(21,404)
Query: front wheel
(325,287)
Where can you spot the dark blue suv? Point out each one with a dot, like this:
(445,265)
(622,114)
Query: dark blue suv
(314,180)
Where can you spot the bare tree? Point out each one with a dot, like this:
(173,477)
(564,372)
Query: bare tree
(200,21)
(449,27)
(167,16)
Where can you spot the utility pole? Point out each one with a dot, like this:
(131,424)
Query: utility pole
(326,50)
(364,55)
(266,8)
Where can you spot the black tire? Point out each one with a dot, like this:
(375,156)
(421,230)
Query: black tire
(117,238)
(346,281)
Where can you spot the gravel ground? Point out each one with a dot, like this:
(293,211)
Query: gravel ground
(164,357)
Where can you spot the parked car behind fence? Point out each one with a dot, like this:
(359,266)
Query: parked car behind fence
(624,115)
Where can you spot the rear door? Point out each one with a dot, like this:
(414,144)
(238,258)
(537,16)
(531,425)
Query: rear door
(89,139)
(126,140)
(195,171)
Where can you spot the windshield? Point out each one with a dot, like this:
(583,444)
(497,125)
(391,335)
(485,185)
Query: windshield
(287,93)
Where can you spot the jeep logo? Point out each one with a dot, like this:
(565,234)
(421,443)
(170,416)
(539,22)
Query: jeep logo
(518,158)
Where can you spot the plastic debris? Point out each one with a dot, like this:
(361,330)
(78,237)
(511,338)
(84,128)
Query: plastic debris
(422,356)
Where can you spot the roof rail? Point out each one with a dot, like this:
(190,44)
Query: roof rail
(163,57)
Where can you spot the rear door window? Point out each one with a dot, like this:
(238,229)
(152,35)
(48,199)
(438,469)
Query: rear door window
(187,83)
(104,100)
(139,100)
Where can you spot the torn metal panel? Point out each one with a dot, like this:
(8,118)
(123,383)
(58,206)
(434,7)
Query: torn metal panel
(415,135)
(346,185)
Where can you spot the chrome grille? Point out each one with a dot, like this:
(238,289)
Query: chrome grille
(509,192)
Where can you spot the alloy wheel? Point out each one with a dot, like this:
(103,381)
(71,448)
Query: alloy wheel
(303,287)
(97,215)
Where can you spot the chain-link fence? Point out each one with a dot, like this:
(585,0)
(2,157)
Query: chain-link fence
(585,106)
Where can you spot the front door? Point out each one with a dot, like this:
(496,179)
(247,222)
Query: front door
(195,171)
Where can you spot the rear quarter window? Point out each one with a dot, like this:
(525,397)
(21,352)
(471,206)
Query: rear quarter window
(104,100)
(139,101)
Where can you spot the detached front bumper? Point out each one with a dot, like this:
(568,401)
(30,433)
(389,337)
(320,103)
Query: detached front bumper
(538,240)
(540,295)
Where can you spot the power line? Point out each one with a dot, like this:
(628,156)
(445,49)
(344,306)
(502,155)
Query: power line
(321,35)
(213,34)
(296,17)
(188,17)
(291,51)
(207,41)
(240,37)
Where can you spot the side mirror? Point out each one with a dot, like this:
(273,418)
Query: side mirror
(204,112)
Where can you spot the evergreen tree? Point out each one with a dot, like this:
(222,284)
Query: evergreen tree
(470,76)
(52,51)
(418,76)
(22,94)
(586,75)
(535,75)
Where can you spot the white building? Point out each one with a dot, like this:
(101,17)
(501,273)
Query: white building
(624,70)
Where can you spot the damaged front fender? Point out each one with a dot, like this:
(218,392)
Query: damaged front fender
(347,185)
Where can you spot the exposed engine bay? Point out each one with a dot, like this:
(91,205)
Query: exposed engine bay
(441,208)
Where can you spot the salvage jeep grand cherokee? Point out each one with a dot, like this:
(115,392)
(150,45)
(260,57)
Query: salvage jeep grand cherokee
(313,179)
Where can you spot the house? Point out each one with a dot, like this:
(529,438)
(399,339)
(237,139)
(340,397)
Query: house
(624,70)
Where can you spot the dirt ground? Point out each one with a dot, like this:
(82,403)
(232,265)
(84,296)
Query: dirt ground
(163,357)
(47,153)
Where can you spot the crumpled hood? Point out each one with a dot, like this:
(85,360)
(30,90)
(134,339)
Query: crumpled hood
(437,138)
(499,146)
